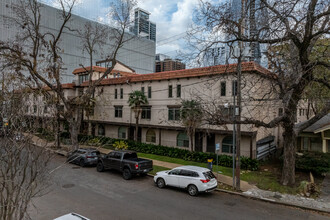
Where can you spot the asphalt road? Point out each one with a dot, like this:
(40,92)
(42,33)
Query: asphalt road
(107,196)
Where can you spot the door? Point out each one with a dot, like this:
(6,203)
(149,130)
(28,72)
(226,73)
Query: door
(139,135)
(199,142)
(115,161)
(172,178)
(131,133)
(186,178)
(107,160)
(210,143)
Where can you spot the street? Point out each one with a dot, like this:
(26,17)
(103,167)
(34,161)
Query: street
(108,196)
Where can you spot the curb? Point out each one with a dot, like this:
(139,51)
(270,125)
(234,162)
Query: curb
(323,212)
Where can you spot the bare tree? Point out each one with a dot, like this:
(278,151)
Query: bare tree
(39,54)
(23,166)
(294,26)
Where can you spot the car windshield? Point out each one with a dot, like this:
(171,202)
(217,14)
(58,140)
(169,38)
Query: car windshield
(130,156)
(95,153)
(209,175)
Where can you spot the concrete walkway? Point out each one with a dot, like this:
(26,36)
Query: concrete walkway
(325,189)
(245,186)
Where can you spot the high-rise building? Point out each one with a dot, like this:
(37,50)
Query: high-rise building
(72,53)
(165,63)
(143,27)
(256,19)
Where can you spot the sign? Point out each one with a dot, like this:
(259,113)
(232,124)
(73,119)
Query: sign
(217,146)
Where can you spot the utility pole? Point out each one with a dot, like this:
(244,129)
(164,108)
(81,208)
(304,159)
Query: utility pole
(238,109)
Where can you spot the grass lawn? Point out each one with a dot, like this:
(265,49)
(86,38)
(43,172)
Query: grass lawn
(225,170)
(267,180)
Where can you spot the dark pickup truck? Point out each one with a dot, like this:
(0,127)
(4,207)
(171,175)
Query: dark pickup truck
(125,161)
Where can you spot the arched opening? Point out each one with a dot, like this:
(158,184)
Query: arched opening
(227,144)
(122,132)
(182,140)
(151,136)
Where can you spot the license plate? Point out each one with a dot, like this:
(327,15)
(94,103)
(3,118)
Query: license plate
(146,170)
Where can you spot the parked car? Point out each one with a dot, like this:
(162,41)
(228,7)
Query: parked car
(194,179)
(125,161)
(72,216)
(84,157)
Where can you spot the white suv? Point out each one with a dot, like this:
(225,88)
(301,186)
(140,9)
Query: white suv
(194,179)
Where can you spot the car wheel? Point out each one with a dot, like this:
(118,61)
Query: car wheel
(127,174)
(192,190)
(100,167)
(161,183)
(82,163)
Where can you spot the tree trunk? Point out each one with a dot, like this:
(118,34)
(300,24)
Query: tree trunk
(74,136)
(289,159)
(136,128)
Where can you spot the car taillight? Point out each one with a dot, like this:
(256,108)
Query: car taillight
(205,181)
(136,166)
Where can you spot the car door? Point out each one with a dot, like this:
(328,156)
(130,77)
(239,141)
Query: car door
(115,161)
(186,178)
(172,178)
(107,160)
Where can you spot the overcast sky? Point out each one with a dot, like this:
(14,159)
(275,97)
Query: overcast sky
(172,18)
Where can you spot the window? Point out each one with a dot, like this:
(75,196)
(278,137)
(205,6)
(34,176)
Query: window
(280,111)
(234,88)
(101,130)
(142,90)
(116,93)
(118,111)
(227,144)
(182,140)
(149,92)
(151,136)
(122,132)
(175,172)
(121,93)
(226,112)
(146,112)
(34,109)
(83,78)
(45,109)
(223,88)
(27,109)
(170,91)
(178,91)
(174,113)
(188,173)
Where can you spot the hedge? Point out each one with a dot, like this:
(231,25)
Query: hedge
(315,162)
(223,160)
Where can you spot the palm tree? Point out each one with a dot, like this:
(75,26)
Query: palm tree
(191,117)
(136,100)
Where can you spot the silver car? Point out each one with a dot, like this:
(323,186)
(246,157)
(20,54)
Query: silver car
(84,157)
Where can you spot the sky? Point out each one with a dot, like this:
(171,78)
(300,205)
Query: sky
(172,17)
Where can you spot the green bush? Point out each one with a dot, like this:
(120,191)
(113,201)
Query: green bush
(65,134)
(316,162)
(223,160)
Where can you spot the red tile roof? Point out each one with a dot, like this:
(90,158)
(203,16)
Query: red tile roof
(177,74)
(101,70)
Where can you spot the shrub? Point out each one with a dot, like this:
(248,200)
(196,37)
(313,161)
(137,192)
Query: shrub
(120,145)
(201,157)
(316,162)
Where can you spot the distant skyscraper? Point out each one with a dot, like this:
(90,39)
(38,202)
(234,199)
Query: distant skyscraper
(254,51)
(142,26)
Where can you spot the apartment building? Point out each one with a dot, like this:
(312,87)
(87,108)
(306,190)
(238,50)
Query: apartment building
(160,121)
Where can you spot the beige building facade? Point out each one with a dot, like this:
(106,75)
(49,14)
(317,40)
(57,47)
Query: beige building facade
(160,123)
